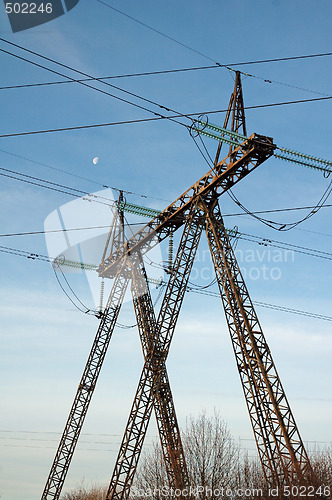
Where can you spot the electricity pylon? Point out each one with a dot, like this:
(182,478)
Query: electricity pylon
(283,456)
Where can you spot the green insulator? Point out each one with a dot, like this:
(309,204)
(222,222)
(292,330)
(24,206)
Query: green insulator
(302,155)
(223,130)
(217,137)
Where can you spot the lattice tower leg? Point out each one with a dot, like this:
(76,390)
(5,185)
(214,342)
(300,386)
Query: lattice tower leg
(86,387)
(164,407)
(140,413)
(280,447)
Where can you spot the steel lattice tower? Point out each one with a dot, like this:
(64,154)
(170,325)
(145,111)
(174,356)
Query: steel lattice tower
(281,450)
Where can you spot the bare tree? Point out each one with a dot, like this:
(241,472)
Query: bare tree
(211,454)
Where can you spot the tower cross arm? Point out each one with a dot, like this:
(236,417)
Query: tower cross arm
(225,174)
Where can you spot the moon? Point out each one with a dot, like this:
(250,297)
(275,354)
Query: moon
(95,160)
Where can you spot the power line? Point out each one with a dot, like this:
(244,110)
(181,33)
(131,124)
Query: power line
(285,246)
(44,131)
(81,177)
(50,185)
(158,115)
(104,92)
(145,120)
(28,233)
(274,211)
(53,186)
(316,232)
(170,71)
(53,61)
(248,237)
(269,306)
(95,198)
(86,310)
(279,226)
(194,289)
(140,194)
(217,63)
(99,90)
(60,188)
(55,168)
(43,440)
(78,193)
(157,31)
(10,431)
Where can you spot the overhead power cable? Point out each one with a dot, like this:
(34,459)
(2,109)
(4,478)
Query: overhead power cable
(145,120)
(169,71)
(140,210)
(311,161)
(157,114)
(44,258)
(132,208)
(53,186)
(269,306)
(85,310)
(53,61)
(104,434)
(49,440)
(157,31)
(285,246)
(77,303)
(275,211)
(236,234)
(286,153)
(217,63)
(148,196)
(167,109)
(71,174)
(281,226)
(78,193)
(29,233)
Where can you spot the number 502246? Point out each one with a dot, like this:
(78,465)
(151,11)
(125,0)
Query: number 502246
(28,8)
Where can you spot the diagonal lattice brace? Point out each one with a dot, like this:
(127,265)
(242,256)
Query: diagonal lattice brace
(140,413)
(164,407)
(280,447)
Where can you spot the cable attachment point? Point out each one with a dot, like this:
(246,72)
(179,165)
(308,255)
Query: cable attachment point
(198,125)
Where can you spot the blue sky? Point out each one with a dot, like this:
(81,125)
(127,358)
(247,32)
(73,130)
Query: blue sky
(45,340)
